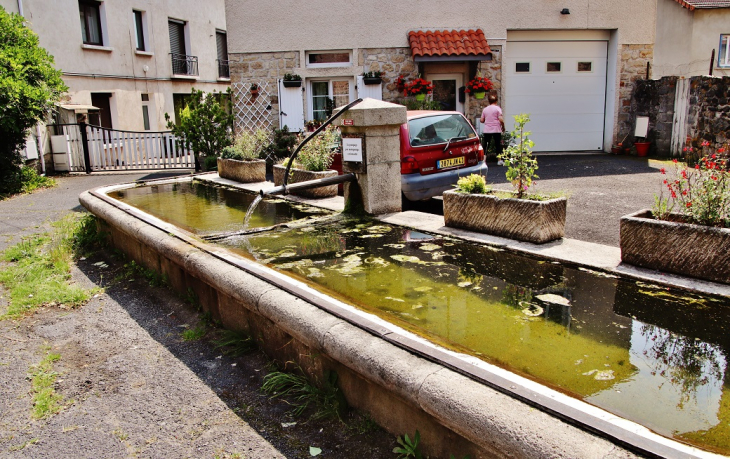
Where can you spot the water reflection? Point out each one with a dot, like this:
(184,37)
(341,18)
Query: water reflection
(652,355)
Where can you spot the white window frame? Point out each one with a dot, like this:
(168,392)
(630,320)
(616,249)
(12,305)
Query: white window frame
(723,57)
(145,32)
(102,28)
(329,64)
(329,81)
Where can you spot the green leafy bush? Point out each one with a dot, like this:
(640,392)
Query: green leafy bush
(473,184)
(248,146)
(316,155)
(518,159)
(29,86)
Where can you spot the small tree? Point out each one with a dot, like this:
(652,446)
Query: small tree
(518,159)
(205,123)
(29,86)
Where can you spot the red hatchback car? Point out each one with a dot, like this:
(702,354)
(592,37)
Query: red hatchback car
(436,148)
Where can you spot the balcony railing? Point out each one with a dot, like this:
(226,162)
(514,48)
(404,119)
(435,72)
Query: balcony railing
(182,64)
(224,71)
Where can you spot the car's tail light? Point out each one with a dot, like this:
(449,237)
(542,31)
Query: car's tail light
(408,165)
(480,154)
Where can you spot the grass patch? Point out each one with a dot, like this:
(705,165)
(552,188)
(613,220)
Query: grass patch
(234,343)
(42,378)
(296,390)
(23,445)
(39,270)
(194,334)
(133,270)
(29,181)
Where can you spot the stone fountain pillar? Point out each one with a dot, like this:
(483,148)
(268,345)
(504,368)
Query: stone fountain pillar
(371,150)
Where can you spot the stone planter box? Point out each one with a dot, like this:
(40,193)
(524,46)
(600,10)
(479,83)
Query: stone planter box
(521,219)
(675,247)
(300,175)
(242,171)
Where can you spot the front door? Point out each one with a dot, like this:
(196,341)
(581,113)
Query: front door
(446,90)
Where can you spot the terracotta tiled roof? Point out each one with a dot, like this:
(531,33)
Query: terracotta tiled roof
(693,4)
(448,43)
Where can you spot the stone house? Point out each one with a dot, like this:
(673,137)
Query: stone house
(570,64)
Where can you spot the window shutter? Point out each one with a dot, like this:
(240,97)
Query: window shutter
(177,37)
(374,91)
(291,108)
(222,45)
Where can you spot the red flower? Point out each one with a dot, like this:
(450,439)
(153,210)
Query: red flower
(675,159)
(663,171)
(720,150)
(689,204)
(697,166)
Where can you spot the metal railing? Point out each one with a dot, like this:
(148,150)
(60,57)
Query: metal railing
(182,64)
(224,70)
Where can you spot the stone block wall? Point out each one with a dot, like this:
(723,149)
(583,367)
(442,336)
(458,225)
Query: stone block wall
(709,110)
(633,59)
(393,62)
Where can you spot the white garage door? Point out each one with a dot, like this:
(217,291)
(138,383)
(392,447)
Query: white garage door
(562,85)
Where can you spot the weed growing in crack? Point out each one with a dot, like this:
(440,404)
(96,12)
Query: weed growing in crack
(296,390)
(194,334)
(234,343)
(42,378)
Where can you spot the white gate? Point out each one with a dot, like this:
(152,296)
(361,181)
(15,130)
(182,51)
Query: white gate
(291,107)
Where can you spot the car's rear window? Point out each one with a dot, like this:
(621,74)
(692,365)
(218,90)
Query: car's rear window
(435,129)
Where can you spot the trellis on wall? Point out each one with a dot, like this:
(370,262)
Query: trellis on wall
(252,108)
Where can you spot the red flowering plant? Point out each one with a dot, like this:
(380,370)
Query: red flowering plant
(479,84)
(417,86)
(702,192)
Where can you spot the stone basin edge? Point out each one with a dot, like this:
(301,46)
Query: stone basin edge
(484,404)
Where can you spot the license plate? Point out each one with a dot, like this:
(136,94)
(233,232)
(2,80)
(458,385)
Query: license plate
(451,162)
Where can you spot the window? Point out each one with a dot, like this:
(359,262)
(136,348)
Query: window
(90,16)
(553,67)
(139,29)
(723,57)
(326,95)
(328,59)
(182,63)
(522,67)
(585,66)
(222,46)
(146,111)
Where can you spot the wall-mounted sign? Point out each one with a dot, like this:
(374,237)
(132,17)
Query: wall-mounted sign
(352,149)
(348,122)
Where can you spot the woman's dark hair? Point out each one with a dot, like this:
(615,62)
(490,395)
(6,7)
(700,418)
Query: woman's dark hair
(492,99)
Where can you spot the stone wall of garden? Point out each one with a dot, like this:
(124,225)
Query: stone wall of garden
(708,117)
(393,62)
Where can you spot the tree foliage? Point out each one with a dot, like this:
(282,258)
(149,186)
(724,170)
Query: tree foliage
(29,86)
(205,123)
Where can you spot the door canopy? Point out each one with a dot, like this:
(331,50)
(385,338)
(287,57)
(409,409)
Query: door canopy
(442,45)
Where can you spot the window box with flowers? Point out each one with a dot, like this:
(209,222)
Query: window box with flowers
(372,77)
(479,86)
(687,233)
(418,88)
(292,80)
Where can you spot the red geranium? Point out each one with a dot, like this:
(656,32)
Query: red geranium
(417,86)
(479,84)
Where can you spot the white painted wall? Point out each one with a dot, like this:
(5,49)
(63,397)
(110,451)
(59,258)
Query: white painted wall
(685,39)
(117,67)
(320,24)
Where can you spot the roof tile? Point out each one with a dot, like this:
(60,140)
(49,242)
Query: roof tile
(449,43)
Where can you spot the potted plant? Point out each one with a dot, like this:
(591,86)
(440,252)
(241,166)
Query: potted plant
(312,163)
(517,215)
(479,86)
(292,80)
(242,161)
(372,77)
(689,232)
(254,89)
(418,88)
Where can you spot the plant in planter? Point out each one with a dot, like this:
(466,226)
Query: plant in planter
(241,161)
(292,80)
(418,88)
(254,89)
(479,86)
(372,77)
(516,215)
(698,233)
(312,163)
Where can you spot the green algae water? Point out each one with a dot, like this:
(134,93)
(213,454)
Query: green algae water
(646,353)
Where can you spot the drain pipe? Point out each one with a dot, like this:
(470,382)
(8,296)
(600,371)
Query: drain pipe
(296,152)
(284,189)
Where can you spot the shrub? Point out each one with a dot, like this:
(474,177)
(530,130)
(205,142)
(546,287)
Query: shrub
(518,159)
(282,144)
(211,163)
(316,155)
(29,85)
(248,146)
(473,184)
